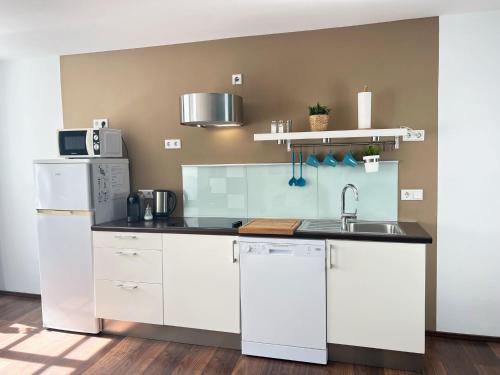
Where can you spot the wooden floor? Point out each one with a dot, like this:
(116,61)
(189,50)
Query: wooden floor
(26,348)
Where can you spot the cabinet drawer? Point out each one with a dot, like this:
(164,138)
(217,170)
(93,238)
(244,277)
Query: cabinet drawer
(128,264)
(127,240)
(135,302)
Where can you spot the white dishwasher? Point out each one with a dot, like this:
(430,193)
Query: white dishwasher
(283,298)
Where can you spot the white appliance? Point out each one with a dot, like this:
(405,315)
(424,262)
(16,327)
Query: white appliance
(283,298)
(72,195)
(86,143)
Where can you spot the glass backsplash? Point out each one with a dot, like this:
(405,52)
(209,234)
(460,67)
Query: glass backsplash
(262,190)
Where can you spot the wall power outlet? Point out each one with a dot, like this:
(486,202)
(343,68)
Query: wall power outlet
(100,123)
(237,79)
(148,193)
(412,194)
(172,143)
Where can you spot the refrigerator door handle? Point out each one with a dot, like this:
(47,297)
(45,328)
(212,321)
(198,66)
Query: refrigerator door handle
(65,212)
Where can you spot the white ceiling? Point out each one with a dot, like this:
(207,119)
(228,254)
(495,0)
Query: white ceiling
(48,27)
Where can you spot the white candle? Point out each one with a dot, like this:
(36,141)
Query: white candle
(364,110)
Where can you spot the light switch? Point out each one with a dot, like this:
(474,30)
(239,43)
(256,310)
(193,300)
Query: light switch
(412,194)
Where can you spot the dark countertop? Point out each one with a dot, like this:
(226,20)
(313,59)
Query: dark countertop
(413,232)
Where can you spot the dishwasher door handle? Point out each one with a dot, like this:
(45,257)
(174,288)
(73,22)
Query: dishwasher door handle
(281,251)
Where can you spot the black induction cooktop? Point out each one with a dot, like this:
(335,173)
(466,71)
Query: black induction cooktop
(181,223)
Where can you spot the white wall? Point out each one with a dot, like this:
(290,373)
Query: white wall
(30,113)
(468,270)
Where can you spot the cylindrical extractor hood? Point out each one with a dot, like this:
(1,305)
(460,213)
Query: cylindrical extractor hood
(211,109)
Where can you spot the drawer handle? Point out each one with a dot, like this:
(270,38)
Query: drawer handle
(127,286)
(128,253)
(125,237)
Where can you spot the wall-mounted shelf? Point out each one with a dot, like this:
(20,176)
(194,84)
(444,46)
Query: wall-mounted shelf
(332,134)
(407,134)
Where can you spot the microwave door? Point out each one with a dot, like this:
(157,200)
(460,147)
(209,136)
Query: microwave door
(74,143)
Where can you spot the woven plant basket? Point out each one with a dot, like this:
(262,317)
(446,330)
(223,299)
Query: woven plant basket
(318,123)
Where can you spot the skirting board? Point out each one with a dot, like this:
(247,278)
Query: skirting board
(20,294)
(462,336)
(376,357)
(175,334)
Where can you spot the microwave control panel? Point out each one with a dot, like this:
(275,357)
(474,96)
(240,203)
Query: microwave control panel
(96,142)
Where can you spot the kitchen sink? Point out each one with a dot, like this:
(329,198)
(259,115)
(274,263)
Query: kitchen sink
(374,227)
(334,226)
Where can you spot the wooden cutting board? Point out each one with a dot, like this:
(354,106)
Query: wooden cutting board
(270,226)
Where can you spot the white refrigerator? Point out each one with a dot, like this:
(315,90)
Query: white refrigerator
(71,196)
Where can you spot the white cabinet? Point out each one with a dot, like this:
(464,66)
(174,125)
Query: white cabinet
(201,282)
(128,278)
(376,295)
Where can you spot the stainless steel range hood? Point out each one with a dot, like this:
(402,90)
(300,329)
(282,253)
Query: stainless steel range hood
(211,110)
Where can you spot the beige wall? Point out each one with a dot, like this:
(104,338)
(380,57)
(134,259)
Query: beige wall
(138,91)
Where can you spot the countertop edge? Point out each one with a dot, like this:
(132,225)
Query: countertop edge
(420,238)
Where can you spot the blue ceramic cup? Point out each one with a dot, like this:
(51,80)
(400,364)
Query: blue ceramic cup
(330,160)
(313,161)
(349,159)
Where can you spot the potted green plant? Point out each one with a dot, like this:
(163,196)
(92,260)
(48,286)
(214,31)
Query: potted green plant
(371,156)
(318,117)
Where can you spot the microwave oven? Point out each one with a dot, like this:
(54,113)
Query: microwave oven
(90,143)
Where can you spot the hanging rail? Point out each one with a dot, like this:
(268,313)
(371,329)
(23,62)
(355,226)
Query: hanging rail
(392,144)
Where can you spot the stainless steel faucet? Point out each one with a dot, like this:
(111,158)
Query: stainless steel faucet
(344,216)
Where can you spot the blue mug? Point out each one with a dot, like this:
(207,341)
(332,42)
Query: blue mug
(349,159)
(330,160)
(313,161)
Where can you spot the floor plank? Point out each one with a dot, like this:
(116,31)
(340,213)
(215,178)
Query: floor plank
(27,348)
(195,361)
(222,362)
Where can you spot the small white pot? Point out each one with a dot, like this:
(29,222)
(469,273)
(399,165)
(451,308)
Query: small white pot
(371,163)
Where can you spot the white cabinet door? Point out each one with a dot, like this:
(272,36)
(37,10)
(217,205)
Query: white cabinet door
(376,295)
(201,282)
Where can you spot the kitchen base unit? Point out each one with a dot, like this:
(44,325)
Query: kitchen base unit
(175,287)
(355,300)
(376,301)
(283,302)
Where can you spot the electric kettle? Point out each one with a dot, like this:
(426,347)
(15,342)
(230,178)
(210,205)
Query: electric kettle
(164,202)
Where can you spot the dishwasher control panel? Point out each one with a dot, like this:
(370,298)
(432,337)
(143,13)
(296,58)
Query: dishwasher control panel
(292,248)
